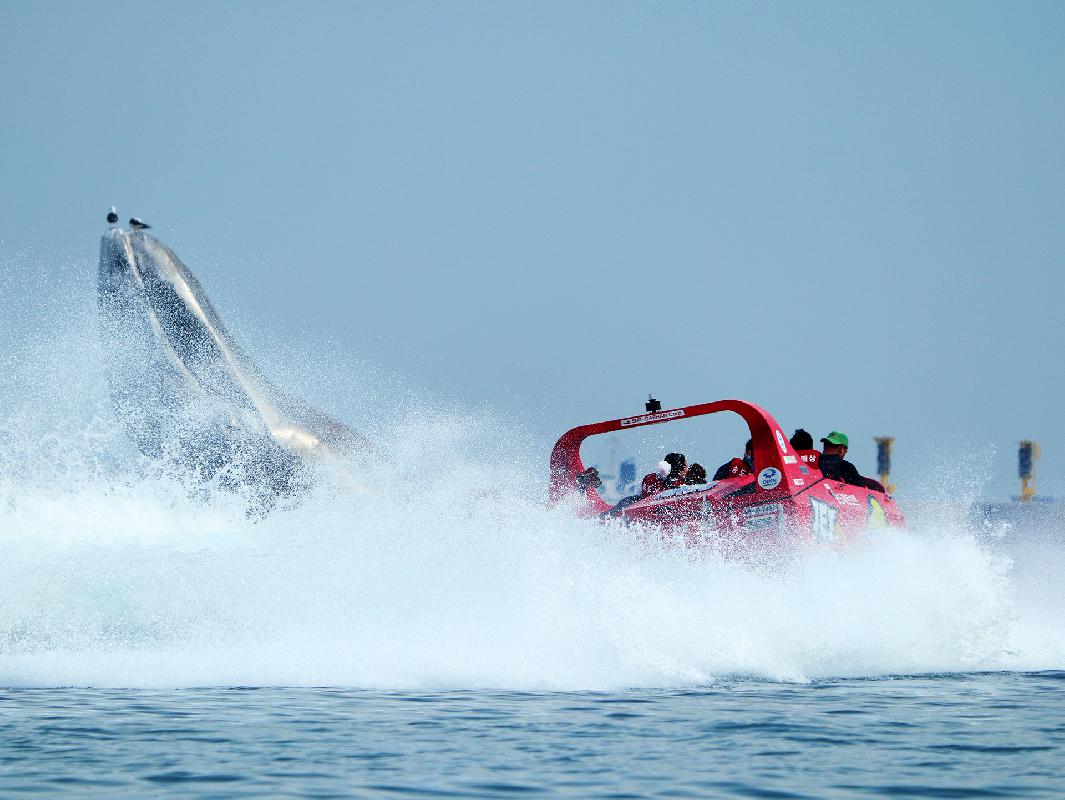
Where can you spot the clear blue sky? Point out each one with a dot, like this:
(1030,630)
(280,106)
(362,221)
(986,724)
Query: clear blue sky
(851,213)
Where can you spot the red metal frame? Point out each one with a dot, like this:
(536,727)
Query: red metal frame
(770,444)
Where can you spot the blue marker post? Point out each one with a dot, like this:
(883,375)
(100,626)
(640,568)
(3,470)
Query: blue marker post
(1027,455)
(626,475)
(883,461)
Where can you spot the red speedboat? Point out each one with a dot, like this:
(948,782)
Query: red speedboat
(786,499)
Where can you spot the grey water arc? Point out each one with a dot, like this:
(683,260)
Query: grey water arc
(188,394)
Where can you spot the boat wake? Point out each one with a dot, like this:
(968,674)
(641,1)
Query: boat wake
(453,575)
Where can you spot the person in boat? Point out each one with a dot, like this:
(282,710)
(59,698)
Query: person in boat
(589,479)
(803,444)
(664,477)
(678,468)
(695,476)
(833,464)
(737,466)
(669,474)
(653,482)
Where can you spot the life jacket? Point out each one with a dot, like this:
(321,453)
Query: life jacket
(809,457)
(672,482)
(651,484)
(738,467)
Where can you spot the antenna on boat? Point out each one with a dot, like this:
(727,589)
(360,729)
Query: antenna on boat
(652,405)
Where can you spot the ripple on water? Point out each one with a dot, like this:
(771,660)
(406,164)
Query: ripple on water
(912,737)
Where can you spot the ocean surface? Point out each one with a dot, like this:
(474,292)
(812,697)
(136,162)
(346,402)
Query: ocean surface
(978,735)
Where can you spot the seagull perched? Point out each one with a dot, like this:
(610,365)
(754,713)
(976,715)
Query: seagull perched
(112,216)
(138,224)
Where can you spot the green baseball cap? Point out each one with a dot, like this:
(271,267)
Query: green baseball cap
(836,438)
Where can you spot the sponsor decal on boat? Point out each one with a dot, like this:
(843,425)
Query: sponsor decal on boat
(842,498)
(763,508)
(782,441)
(690,489)
(761,522)
(824,520)
(645,418)
(769,478)
(763,516)
(877,516)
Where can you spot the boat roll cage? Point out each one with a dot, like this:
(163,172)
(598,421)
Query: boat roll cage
(771,447)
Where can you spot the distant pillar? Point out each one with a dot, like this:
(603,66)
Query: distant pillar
(626,475)
(1027,455)
(883,461)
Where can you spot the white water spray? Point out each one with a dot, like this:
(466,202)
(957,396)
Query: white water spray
(453,575)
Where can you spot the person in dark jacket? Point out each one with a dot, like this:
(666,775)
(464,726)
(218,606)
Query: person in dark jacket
(695,476)
(738,466)
(834,466)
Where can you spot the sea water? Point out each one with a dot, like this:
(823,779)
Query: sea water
(449,635)
(961,735)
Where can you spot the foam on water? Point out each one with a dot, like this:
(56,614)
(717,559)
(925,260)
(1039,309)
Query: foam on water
(112,575)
